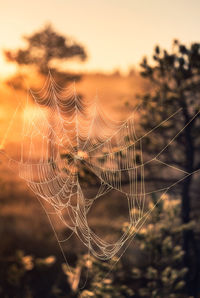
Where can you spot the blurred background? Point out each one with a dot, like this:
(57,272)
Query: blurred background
(126,52)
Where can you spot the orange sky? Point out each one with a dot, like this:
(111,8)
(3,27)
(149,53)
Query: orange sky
(116,33)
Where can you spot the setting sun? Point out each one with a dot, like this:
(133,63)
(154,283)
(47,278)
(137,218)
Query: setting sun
(99,149)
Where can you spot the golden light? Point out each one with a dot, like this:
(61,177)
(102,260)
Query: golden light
(32,112)
(6,68)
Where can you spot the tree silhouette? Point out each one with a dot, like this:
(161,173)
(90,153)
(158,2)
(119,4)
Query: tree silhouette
(43,48)
(175,78)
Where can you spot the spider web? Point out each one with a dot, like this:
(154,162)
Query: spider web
(65,133)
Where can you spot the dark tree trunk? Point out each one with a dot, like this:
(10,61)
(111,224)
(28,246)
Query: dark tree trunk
(191,257)
(189,243)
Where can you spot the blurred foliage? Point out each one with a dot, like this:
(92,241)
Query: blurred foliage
(158,271)
(161,272)
(46,50)
(26,276)
(175,77)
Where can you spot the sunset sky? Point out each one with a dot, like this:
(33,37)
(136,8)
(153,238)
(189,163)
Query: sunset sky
(116,33)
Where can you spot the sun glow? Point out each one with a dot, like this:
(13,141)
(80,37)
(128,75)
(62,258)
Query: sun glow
(6,68)
(29,111)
